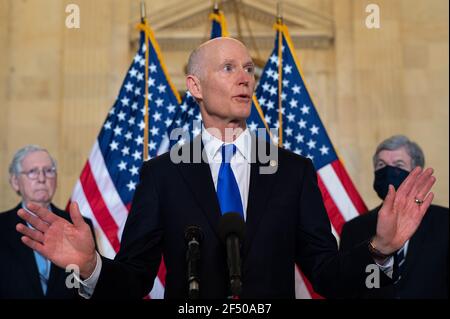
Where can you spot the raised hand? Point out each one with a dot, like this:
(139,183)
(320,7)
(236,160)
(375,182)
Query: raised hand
(403,210)
(57,239)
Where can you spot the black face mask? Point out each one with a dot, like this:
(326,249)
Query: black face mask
(388,175)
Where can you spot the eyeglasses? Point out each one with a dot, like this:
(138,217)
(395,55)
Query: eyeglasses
(49,172)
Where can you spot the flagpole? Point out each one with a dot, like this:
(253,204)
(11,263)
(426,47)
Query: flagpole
(280,75)
(143,11)
(146,122)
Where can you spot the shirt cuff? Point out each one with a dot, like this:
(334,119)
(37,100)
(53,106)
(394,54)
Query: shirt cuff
(87,286)
(387,267)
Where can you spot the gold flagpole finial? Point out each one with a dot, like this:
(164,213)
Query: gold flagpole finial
(143,11)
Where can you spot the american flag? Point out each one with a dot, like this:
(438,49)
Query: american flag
(188,116)
(303,132)
(109,178)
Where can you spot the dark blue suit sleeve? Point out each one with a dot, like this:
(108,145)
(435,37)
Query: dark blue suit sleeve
(332,274)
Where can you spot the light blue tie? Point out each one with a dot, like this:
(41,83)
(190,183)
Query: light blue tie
(43,263)
(44,270)
(227,187)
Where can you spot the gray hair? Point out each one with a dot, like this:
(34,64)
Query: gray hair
(397,141)
(16,164)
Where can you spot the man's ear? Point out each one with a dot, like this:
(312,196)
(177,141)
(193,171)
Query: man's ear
(13,180)
(194,86)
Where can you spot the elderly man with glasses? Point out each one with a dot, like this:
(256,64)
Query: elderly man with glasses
(24,273)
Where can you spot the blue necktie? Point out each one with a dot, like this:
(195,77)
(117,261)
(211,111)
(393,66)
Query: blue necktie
(44,270)
(227,186)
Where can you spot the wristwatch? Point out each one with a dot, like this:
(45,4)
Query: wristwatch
(375,252)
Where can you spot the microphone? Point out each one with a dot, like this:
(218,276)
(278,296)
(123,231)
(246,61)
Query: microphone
(193,236)
(232,232)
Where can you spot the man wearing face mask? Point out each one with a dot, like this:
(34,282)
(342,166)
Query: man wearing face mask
(420,268)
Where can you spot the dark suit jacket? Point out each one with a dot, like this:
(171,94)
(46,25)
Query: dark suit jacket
(19,275)
(426,268)
(286,224)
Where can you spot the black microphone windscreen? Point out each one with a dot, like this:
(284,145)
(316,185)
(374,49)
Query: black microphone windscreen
(231,223)
(193,232)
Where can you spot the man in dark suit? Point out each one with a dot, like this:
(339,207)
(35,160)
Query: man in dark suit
(420,267)
(285,219)
(24,273)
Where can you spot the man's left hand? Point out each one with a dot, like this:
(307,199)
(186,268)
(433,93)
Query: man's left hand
(403,210)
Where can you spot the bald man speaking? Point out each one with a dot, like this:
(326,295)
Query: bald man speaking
(284,221)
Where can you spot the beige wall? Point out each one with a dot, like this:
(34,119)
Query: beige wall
(392,80)
(57,84)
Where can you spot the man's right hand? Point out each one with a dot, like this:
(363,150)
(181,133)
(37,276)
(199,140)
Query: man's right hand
(57,239)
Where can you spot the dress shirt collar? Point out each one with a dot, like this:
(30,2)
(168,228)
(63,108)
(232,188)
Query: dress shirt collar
(212,144)
(29,211)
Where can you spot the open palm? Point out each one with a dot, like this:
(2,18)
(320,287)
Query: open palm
(401,215)
(57,239)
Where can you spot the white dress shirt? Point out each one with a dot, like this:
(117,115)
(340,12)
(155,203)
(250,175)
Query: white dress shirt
(388,266)
(240,164)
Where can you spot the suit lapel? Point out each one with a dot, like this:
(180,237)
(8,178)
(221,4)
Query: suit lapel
(259,191)
(54,278)
(199,179)
(55,272)
(414,247)
(26,256)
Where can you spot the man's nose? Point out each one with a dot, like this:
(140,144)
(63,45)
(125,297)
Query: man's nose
(41,176)
(244,77)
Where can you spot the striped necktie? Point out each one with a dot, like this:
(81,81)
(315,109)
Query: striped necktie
(399,265)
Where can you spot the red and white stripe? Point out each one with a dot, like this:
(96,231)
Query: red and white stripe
(342,202)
